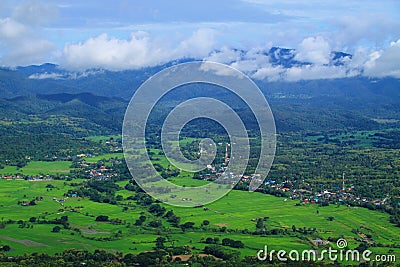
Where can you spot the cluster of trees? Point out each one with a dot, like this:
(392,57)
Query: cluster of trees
(101,218)
(5,248)
(63,221)
(210,240)
(306,231)
(388,139)
(222,253)
(102,191)
(140,221)
(232,243)
(172,218)
(395,219)
(42,146)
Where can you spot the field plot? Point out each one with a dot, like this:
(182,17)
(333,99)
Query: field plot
(39,168)
(234,216)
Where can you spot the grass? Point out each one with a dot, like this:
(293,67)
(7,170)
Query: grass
(39,168)
(103,138)
(104,156)
(237,211)
(353,139)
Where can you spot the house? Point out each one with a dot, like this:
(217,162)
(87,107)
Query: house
(319,241)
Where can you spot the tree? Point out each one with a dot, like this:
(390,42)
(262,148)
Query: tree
(32,219)
(101,218)
(155,223)
(205,222)
(227,241)
(174,220)
(232,243)
(210,240)
(5,248)
(237,244)
(187,225)
(156,209)
(56,229)
(260,223)
(169,214)
(160,242)
(141,220)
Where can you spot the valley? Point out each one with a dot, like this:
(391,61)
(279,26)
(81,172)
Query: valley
(65,187)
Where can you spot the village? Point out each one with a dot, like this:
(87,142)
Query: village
(85,168)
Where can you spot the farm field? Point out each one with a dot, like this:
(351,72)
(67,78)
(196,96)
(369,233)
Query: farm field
(287,224)
(104,156)
(39,168)
(237,211)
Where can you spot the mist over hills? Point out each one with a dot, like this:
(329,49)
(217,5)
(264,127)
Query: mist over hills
(101,96)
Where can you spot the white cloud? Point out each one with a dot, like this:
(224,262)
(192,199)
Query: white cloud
(315,28)
(246,61)
(314,50)
(46,75)
(270,73)
(200,44)
(303,72)
(312,72)
(347,24)
(220,70)
(31,50)
(35,12)
(385,62)
(224,55)
(11,29)
(352,31)
(21,42)
(140,50)
(64,75)
(317,52)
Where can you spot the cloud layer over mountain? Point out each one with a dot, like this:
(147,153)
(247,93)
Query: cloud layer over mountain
(130,35)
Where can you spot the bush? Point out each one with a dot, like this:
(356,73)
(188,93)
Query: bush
(232,243)
(156,209)
(102,218)
(221,253)
(56,229)
(187,225)
(206,222)
(155,224)
(5,248)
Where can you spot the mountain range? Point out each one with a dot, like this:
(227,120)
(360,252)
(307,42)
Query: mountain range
(101,96)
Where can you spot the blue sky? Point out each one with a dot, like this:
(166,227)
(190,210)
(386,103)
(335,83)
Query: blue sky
(132,34)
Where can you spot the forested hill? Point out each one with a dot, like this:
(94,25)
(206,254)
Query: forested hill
(85,113)
(98,98)
(75,114)
(50,79)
